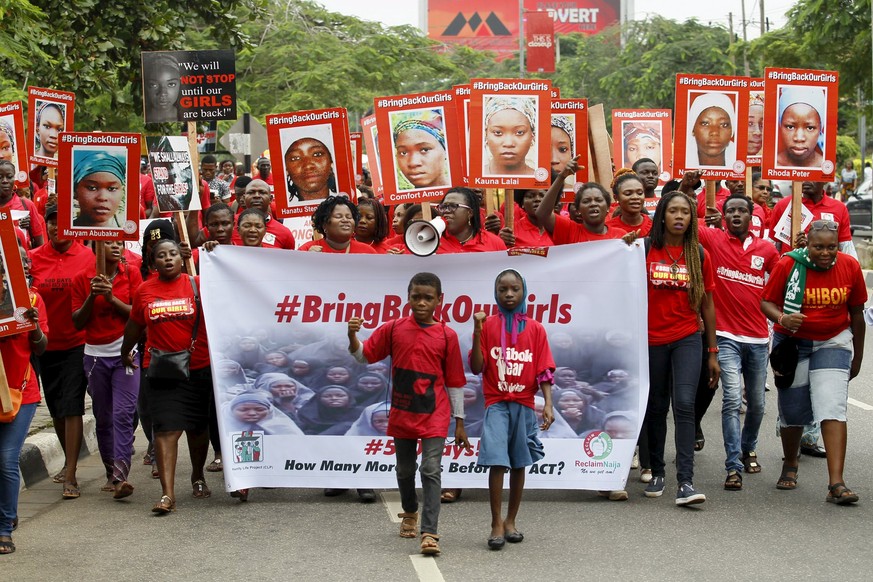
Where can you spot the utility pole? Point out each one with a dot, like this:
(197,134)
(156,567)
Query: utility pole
(731,40)
(745,39)
(763,18)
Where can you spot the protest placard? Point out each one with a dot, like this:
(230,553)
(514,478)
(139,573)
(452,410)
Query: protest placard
(510,122)
(13,147)
(49,112)
(16,298)
(709,135)
(173,174)
(357,144)
(371,143)
(98,197)
(594,314)
(188,85)
(312,159)
(643,133)
(462,112)
(755,144)
(570,139)
(419,146)
(800,124)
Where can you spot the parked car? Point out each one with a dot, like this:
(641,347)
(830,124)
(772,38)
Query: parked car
(860,216)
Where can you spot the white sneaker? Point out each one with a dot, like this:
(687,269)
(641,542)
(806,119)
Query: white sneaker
(645,475)
(635,463)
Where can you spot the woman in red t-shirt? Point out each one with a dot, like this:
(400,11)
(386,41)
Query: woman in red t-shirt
(167,308)
(630,195)
(464,233)
(821,311)
(527,231)
(16,351)
(372,228)
(591,207)
(680,287)
(336,218)
(101,306)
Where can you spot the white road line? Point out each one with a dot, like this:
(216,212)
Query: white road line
(391,500)
(860,404)
(426,568)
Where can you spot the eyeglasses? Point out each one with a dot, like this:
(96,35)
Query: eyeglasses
(765,188)
(824,224)
(448,208)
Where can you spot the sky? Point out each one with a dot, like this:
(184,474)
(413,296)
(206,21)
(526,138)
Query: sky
(397,12)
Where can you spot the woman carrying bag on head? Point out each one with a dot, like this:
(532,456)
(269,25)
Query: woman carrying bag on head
(816,297)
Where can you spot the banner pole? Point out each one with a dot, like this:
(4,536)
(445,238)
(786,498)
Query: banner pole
(796,195)
(5,394)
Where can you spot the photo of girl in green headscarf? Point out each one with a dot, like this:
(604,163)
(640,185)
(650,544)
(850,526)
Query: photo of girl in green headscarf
(99,177)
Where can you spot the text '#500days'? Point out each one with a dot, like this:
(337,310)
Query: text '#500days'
(314,309)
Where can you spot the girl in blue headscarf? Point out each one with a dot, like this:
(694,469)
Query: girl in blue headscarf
(512,351)
(98,188)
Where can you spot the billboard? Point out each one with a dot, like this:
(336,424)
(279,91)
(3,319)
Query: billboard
(493,24)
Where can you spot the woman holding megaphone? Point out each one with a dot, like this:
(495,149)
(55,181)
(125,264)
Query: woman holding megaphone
(464,233)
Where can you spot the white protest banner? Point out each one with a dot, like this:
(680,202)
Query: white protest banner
(288,341)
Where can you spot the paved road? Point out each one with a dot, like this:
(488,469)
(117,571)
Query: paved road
(758,533)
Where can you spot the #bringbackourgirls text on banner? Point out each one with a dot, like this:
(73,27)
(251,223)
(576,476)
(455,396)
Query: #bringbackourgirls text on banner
(296,410)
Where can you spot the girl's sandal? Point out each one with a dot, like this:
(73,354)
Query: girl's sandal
(200,489)
(408,524)
(164,506)
(840,494)
(430,544)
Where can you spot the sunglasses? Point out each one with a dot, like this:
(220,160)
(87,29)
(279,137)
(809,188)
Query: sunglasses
(824,224)
(448,208)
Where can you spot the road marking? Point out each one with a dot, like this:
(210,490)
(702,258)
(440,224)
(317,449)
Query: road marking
(426,568)
(860,404)
(391,500)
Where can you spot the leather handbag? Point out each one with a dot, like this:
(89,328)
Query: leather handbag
(175,365)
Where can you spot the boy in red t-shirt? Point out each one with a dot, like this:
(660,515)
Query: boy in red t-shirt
(428,380)
(514,353)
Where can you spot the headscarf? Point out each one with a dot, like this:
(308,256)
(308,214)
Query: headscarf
(265,382)
(701,104)
(513,321)
(756,99)
(271,424)
(318,419)
(640,131)
(426,126)
(364,398)
(559,429)
(524,105)
(10,133)
(565,124)
(815,97)
(364,425)
(92,161)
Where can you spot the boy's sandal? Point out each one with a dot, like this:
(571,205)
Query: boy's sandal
(200,489)
(430,544)
(408,524)
(6,547)
(840,494)
(785,482)
(734,481)
(750,463)
(450,495)
(71,491)
(215,466)
(165,505)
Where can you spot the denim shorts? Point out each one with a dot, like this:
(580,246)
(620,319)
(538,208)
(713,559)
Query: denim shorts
(820,390)
(509,437)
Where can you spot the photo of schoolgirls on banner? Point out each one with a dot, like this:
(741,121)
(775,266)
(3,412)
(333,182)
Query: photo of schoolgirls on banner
(49,112)
(312,159)
(288,389)
(709,136)
(371,145)
(800,121)
(756,123)
(419,145)
(101,196)
(12,144)
(643,134)
(510,131)
(15,298)
(172,173)
(570,139)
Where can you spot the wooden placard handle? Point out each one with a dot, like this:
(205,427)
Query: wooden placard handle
(796,218)
(5,394)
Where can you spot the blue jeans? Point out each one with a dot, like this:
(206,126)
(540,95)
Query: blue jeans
(748,362)
(431,478)
(673,373)
(12,435)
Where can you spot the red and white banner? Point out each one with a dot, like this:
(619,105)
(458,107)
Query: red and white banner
(539,40)
(291,341)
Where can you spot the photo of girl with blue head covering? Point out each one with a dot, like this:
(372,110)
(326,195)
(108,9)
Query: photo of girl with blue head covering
(99,178)
(802,115)
(420,151)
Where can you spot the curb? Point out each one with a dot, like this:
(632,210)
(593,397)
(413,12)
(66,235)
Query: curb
(868,278)
(42,455)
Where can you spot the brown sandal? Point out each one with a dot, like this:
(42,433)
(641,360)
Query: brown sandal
(201,489)
(750,463)
(164,506)
(430,544)
(122,490)
(785,482)
(408,524)
(734,481)
(450,495)
(840,494)
(71,491)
